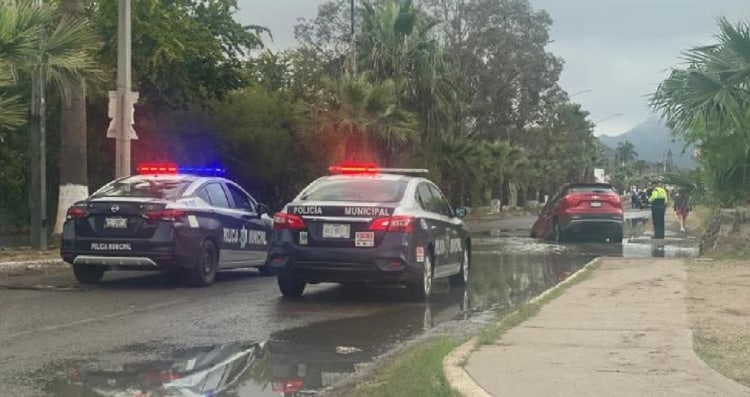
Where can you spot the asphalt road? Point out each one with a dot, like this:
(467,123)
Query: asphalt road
(136,333)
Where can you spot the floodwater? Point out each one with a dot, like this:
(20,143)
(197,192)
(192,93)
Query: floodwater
(507,271)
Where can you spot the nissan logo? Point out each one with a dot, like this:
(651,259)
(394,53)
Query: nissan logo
(115,208)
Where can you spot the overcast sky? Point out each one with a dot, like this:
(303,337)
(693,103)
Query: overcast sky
(618,49)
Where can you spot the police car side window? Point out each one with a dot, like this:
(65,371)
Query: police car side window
(424,197)
(203,194)
(241,200)
(217,195)
(441,202)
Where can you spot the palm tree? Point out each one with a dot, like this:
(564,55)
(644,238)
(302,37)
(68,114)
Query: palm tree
(708,103)
(39,41)
(359,120)
(73,156)
(625,152)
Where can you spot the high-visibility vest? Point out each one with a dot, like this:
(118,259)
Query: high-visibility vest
(659,193)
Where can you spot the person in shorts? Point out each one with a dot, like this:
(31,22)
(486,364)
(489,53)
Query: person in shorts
(681,208)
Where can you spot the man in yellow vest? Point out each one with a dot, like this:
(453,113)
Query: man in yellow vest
(658,200)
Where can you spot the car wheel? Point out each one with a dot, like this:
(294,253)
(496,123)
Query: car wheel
(422,290)
(462,278)
(204,271)
(290,287)
(616,237)
(88,274)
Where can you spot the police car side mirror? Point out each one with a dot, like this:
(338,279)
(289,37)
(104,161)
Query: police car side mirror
(460,212)
(262,209)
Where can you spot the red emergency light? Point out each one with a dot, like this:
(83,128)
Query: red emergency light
(345,169)
(156,168)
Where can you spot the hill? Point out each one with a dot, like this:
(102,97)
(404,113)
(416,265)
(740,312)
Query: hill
(652,140)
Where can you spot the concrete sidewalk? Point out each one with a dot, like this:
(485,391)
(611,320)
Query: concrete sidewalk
(624,331)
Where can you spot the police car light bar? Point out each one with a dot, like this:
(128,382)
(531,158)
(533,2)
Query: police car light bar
(372,169)
(171,169)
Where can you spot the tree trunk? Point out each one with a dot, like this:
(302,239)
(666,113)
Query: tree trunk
(73,158)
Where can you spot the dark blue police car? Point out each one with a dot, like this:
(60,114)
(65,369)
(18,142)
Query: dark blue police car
(368,225)
(180,220)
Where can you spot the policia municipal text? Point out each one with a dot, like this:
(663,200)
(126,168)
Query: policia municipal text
(658,202)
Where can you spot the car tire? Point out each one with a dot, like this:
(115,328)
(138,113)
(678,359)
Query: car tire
(265,270)
(88,274)
(462,278)
(616,237)
(290,287)
(422,290)
(204,272)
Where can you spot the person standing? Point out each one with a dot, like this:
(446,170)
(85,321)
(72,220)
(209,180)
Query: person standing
(681,208)
(658,200)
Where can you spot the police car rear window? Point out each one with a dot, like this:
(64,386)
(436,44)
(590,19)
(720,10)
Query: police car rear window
(357,190)
(168,189)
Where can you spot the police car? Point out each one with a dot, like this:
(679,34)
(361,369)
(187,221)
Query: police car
(368,225)
(176,219)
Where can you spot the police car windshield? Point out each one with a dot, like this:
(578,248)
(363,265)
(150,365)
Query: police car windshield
(169,189)
(358,190)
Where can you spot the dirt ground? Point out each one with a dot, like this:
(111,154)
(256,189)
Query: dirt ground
(718,296)
(27,254)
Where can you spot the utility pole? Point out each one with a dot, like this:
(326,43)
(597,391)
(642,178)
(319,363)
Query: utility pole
(353,44)
(123,115)
(38,190)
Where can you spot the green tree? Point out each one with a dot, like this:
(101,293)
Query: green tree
(625,153)
(707,104)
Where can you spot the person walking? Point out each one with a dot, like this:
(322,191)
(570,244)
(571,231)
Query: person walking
(658,200)
(681,208)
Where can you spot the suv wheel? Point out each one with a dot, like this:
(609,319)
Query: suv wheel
(290,287)
(88,274)
(422,290)
(462,278)
(204,271)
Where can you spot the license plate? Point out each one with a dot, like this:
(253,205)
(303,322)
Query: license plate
(332,230)
(115,223)
(596,204)
(364,239)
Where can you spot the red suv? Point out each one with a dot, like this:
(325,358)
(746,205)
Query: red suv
(591,209)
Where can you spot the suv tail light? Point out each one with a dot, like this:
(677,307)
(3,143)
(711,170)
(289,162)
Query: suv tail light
(164,215)
(395,223)
(282,221)
(75,213)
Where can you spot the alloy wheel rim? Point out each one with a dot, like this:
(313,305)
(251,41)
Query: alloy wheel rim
(427,275)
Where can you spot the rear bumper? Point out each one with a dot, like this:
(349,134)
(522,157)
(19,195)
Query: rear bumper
(592,223)
(392,262)
(167,249)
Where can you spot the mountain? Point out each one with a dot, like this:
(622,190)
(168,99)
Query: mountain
(652,140)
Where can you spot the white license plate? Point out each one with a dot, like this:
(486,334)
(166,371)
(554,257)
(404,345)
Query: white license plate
(115,223)
(333,230)
(364,239)
(596,204)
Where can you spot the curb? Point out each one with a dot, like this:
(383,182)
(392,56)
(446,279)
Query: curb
(453,364)
(15,266)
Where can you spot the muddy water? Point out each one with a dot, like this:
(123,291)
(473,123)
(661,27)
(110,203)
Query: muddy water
(506,272)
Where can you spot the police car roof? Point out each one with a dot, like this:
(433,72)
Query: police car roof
(170,177)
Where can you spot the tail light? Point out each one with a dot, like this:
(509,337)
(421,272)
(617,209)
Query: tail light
(75,213)
(164,215)
(395,223)
(283,221)
(288,386)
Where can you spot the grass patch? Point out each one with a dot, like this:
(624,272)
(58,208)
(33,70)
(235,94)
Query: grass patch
(418,372)
(27,254)
(718,294)
(505,322)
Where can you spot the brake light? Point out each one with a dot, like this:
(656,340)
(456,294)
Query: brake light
(395,223)
(282,221)
(164,215)
(75,213)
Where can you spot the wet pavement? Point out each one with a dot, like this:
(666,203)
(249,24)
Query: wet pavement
(144,335)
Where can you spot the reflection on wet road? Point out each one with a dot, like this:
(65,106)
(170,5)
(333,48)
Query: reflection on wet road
(359,325)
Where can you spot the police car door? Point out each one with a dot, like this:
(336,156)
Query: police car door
(435,225)
(229,253)
(253,236)
(453,242)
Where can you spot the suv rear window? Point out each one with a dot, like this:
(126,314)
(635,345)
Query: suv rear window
(357,190)
(168,189)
